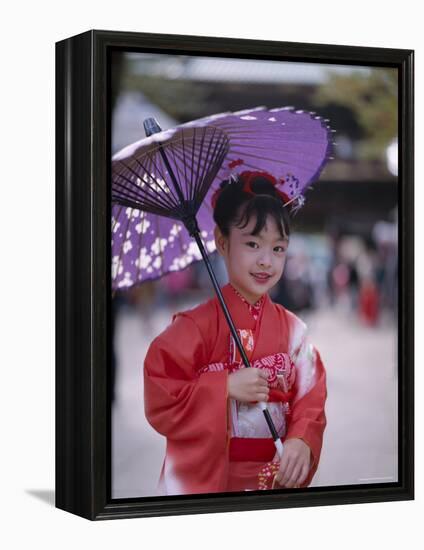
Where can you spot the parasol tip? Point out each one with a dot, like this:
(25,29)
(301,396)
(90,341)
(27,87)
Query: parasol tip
(151,126)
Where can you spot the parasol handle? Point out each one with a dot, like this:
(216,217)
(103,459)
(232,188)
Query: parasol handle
(193,229)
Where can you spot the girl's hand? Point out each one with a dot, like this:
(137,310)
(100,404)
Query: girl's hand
(248,384)
(295,463)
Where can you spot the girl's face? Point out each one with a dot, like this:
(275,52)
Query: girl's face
(254,263)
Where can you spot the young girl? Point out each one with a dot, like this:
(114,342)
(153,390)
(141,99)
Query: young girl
(197,391)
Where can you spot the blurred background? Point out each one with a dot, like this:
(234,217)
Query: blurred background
(341,275)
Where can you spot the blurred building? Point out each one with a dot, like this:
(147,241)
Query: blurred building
(352,192)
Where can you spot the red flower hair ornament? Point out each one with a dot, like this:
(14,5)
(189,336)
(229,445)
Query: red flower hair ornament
(247,178)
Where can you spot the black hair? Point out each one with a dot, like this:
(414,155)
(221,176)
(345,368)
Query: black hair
(236,207)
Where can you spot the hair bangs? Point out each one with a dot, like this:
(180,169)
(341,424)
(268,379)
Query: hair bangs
(260,208)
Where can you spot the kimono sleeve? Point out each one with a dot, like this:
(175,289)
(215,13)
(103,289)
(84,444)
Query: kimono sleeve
(188,408)
(308,418)
(179,403)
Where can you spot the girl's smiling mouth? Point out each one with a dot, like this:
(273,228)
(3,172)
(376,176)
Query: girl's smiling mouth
(261,277)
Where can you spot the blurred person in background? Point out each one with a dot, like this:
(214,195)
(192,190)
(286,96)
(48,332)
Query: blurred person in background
(369,296)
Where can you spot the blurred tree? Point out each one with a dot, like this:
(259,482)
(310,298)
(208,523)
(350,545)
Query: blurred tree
(374,100)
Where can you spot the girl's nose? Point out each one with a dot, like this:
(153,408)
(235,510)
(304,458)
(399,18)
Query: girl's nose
(265,260)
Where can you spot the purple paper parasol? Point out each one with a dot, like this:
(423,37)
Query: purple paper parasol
(149,238)
(167,176)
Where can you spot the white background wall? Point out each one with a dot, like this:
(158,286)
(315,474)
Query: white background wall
(29,31)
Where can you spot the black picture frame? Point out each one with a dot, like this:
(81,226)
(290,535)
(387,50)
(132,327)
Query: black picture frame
(83,306)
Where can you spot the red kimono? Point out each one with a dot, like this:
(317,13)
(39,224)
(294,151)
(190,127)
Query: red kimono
(214,443)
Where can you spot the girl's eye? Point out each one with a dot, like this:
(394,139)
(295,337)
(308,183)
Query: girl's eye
(279,249)
(252,244)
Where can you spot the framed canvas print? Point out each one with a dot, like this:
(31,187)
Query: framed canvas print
(234,239)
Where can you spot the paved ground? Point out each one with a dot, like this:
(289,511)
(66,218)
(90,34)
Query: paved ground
(360,444)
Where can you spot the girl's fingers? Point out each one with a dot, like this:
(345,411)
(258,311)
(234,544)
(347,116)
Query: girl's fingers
(262,389)
(287,475)
(294,477)
(281,469)
(262,397)
(303,474)
(285,471)
(263,374)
